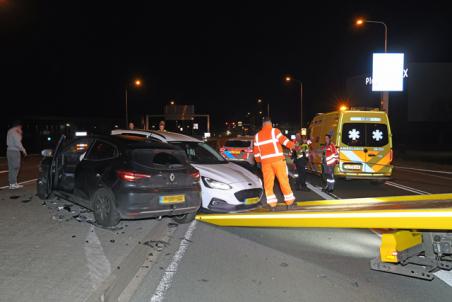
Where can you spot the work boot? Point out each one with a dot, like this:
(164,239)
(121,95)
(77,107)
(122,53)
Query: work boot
(269,207)
(291,206)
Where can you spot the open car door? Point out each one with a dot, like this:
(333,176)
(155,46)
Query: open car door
(47,171)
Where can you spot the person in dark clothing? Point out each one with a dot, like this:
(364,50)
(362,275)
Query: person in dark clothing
(301,158)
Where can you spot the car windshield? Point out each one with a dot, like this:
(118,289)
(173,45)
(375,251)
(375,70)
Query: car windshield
(237,144)
(365,135)
(200,153)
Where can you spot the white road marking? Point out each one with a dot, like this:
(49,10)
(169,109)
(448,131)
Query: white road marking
(406,188)
(21,183)
(446,276)
(430,175)
(319,191)
(99,268)
(425,170)
(170,272)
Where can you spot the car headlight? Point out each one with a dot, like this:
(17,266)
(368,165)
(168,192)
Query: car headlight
(215,184)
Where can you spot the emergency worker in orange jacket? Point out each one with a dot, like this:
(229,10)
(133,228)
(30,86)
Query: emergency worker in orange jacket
(268,152)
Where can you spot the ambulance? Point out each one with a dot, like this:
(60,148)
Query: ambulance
(363,139)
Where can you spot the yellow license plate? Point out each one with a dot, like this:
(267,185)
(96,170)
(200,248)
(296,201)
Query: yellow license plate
(252,200)
(172,199)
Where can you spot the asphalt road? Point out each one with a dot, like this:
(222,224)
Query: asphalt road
(207,263)
(255,264)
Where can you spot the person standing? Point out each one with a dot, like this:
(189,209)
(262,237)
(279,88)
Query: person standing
(14,148)
(301,158)
(162,126)
(269,154)
(329,160)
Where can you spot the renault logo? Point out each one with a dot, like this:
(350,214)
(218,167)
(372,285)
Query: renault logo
(172,177)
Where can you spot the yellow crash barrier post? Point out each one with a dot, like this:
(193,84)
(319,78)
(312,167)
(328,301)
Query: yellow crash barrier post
(398,241)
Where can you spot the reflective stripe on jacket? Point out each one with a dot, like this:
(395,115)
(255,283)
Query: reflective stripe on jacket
(268,145)
(331,154)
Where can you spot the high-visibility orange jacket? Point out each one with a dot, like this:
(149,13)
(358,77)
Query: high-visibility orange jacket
(268,145)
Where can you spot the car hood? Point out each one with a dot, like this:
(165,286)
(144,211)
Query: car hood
(228,173)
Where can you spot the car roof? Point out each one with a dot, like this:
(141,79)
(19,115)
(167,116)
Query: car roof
(134,142)
(161,135)
(241,138)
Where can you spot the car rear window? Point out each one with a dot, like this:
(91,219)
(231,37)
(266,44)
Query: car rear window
(158,157)
(365,134)
(238,144)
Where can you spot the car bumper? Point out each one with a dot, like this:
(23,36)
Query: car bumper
(139,204)
(234,200)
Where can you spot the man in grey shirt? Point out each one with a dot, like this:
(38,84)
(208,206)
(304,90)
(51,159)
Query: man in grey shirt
(14,143)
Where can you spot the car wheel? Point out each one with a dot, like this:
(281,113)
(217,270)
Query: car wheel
(186,218)
(104,207)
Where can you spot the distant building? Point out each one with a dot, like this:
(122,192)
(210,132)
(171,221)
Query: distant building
(422,112)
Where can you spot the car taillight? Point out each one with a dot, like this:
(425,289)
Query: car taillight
(131,176)
(249,150)
(196,175)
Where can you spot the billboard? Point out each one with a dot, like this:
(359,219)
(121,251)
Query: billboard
(387,72)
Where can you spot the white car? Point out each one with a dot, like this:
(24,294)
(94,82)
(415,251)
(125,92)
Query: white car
(225,186)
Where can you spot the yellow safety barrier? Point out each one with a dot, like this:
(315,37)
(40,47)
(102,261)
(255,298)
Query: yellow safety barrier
(395,242)
(430,212)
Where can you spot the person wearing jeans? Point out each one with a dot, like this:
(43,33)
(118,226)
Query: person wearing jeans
(14,148)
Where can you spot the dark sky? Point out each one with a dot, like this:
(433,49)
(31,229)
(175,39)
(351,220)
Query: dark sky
(76,57)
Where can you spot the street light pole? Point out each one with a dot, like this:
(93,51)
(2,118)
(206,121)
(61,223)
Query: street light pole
(127,111)
(384,103)
(289,79)
(301,104)
(136,83)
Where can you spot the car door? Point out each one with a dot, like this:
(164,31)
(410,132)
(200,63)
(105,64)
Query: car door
(47,172)
(94,170)
(67,161)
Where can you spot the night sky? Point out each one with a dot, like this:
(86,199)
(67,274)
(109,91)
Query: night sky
(75,58)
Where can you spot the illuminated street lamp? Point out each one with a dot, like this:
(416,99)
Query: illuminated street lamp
(361,22)
(136,83)
(289,79)
(385,94)
(343,108)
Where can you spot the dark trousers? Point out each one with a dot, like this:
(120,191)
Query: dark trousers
(329,176)
(301,163)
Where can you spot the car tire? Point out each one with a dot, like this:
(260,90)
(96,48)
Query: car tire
(104,208)
(186,218)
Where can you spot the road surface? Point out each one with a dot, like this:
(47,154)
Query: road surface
(201,262)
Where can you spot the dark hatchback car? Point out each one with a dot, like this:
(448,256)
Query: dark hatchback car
(121,177)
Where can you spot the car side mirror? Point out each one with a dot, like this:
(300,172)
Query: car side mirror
(47,152)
